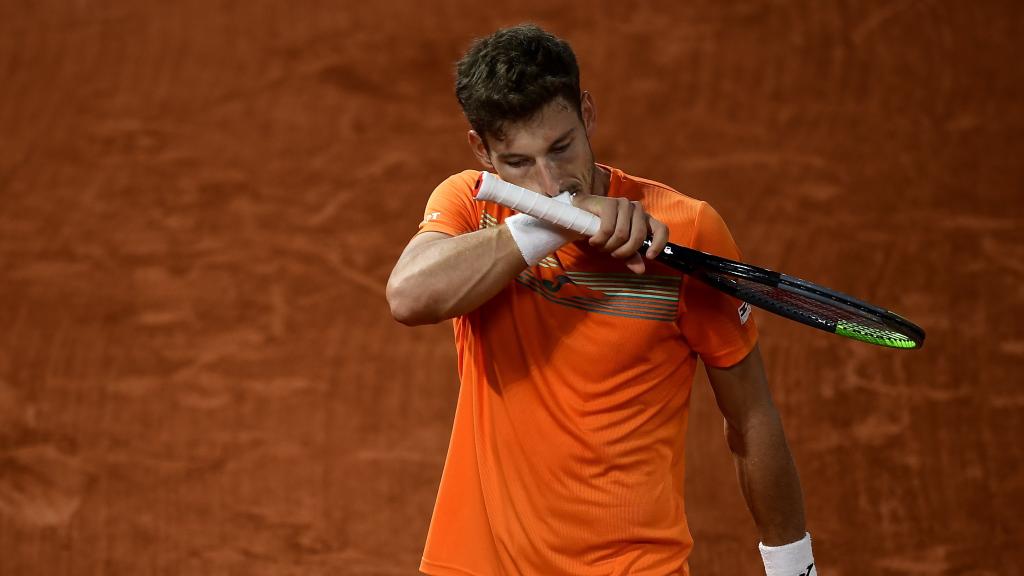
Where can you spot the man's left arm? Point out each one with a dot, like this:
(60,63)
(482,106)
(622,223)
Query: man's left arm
(764,465)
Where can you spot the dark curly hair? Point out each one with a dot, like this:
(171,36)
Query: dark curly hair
(512,74)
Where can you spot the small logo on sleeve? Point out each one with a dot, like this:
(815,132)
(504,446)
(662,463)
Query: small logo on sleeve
(744,312)
(430,217)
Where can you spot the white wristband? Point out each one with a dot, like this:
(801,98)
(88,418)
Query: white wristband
(793,559)
(536,238)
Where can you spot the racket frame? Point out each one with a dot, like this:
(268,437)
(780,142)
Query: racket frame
(704,266)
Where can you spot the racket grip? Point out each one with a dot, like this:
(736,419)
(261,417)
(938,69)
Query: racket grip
(490,188)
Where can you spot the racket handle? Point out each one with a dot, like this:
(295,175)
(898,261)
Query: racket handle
(490,188)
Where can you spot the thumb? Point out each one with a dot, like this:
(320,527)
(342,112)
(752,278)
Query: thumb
(636,264)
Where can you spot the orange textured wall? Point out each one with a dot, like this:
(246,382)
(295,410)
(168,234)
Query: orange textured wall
(200,203)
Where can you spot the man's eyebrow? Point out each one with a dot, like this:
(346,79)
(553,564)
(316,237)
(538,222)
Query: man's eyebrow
(506,156)
(563,137)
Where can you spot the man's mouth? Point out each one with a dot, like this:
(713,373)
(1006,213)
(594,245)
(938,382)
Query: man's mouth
(571,188)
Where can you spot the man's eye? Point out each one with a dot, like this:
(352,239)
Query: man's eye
(516,163)
(560,149)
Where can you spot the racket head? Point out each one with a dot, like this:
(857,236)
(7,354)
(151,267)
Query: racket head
(798,300)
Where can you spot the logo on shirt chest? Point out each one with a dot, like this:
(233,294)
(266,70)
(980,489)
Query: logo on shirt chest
(624,294)
(644,297)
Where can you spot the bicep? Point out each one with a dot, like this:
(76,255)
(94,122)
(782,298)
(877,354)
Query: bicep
(418,245)
(422,240)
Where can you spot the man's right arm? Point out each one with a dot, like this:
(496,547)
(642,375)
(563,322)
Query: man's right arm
(440,276)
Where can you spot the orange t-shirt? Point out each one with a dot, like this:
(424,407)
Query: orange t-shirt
(566,454)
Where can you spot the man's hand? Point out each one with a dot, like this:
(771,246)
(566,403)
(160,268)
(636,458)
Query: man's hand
(624,226)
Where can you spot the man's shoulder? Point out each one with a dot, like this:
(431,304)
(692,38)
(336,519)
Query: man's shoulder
(653,188)
(674,208)
(461,181)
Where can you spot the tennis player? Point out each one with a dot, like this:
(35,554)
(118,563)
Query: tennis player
(576,356)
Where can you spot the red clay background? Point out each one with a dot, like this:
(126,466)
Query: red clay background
(200,203)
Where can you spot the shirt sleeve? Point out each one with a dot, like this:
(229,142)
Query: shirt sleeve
(451,208)
(718,327)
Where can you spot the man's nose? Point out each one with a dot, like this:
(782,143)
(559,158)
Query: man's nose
(547,178)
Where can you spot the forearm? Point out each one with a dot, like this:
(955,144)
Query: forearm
(450,277)
(768,478)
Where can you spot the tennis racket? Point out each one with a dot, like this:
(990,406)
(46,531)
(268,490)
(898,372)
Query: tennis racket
(781,294)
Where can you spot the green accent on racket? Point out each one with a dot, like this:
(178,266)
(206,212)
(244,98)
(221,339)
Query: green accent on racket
(873,335)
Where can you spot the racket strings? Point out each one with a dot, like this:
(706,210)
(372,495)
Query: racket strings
(811,311)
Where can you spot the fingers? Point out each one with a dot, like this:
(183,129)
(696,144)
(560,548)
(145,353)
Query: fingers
(659,237)
(624,227)
(637,232)
(618,221)
(636,264)
(608,211)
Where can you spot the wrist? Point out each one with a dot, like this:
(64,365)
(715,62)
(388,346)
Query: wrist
(793,559)
(537,238)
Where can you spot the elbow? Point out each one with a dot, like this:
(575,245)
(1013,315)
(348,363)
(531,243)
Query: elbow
(408,306)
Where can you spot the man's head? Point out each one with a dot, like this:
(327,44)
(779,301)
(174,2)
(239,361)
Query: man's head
(520,91)
(511,74)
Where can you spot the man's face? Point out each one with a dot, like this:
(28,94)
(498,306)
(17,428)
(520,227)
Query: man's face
(547,153)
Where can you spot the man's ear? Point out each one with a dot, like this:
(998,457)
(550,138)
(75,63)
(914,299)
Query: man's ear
(476,144)
(588,111)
